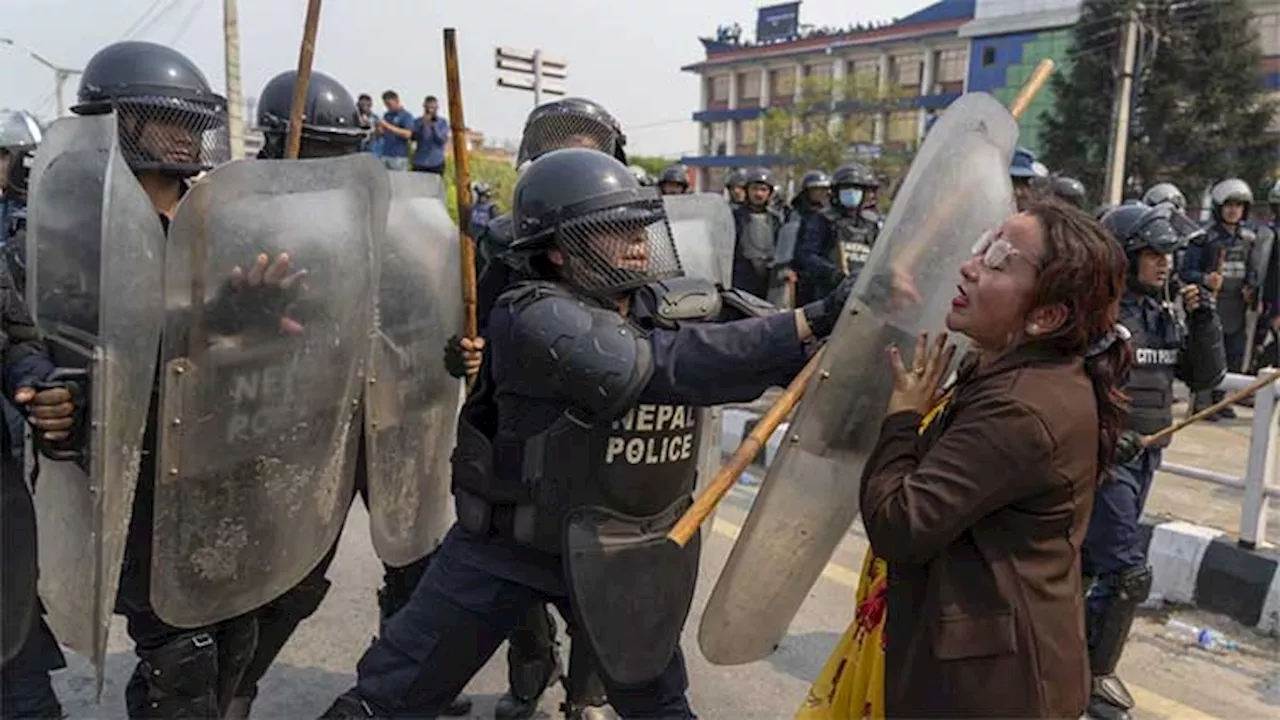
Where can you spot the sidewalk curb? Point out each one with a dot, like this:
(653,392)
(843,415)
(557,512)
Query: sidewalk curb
(1192,564)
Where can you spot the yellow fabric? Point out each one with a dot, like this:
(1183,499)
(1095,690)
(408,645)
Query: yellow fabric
(851,685)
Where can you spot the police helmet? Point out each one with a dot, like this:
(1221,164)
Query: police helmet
(815,179)
(1025,165)
(1231,190)
(571,122)
(641,175)
(481,189)
(611,232)
(1144,227)
(758,176)
(1068,189)
(676,173)
(1165,192)
(737,177)
(150,85)
(19,136)
(328,114)
(854,175)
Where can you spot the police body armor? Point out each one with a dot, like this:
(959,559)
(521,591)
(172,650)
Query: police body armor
(1235,266)
(854,237)
(1157,339)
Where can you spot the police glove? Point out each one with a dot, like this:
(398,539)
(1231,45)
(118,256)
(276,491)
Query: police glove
(821,315)
(260,298)
(1128,447)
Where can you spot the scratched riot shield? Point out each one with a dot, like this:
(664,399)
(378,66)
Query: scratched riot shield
(957,188)
(782,290)
(703,231)
(95,251)
(261,380)
(411,401)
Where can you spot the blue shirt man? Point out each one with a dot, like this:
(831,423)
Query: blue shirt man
(396,127)
(430,133)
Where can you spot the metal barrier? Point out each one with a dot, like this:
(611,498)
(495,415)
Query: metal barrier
(1261,480)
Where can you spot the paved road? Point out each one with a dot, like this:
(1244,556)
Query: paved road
(1169,681)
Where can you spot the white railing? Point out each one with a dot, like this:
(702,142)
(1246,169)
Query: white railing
(1261,480)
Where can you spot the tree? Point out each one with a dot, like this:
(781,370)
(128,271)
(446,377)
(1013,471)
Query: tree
(1200,110)
(832,123)
(653,165)
(500,175)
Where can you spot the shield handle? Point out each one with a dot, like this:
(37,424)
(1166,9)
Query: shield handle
(747,451)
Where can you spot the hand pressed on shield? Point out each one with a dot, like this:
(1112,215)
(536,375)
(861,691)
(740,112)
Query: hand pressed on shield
(917,389)
(266,292)
(51,411)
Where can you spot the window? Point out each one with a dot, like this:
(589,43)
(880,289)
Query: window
(906,71)
(949,68)
(718,92)
(1268,32)
(818,70)
(988,56)
(863,74)
(782,86)
(719,139)
(749,89)
(902,126)
(748,136)
(860,128)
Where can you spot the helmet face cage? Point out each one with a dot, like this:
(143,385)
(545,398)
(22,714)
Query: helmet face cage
(172,134)
(556,131)
(614,250)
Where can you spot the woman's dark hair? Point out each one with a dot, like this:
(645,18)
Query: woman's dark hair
(1084,268)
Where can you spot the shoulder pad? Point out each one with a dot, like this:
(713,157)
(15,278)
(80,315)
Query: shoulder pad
(588,354)
(682,299)
(744,304)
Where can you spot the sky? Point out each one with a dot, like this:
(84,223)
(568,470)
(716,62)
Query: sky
(624,55)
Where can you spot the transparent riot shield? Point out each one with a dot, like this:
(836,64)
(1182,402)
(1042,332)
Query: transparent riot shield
(703,231)
(957,188)
(260,381)
(411,401)
(96,269)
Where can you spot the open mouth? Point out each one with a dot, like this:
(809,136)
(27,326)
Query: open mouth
(961,300)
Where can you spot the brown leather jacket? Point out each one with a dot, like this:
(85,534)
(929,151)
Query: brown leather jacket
(981,522)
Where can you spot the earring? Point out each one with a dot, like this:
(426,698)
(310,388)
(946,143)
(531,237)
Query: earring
(1034,329)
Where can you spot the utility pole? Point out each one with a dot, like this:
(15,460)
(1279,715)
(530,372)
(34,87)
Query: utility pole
(60,74)
(1119,147)
(231,56)
(531,70)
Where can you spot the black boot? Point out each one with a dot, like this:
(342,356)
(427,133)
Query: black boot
(176,680)
(350,706)
(1109,700)
(533,663)
(585,696)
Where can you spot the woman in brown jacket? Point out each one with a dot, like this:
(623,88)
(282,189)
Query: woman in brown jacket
(981,518)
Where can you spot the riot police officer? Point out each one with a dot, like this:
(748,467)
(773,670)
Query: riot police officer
(1114,553)
(735,185)
(836,242)
(533,661)
(330,128)
(19,136)
(756,232)
(1165,192)
(30,651)
(171,127)
(1025,171)
(674,180)
(813,197)
(1068,189)
(578,381)
(1222,261)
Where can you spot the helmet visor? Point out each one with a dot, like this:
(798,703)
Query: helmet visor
(614,250)
(172,134)
(557,131)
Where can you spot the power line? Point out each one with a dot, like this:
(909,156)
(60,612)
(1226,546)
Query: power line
(138,22)
(186,22)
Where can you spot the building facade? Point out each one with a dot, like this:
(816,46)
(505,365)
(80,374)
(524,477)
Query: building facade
(925,60)
(920,61)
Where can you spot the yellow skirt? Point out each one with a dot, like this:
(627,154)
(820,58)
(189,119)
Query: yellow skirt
(851,686)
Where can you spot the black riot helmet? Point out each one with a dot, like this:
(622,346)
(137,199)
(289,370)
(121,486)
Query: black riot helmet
(676,174)
(329,124)
(815,179)
(850,184)
(1068,189)
(571,122)
(611,234)
(20,134)
(1142,227)
(735,178)
(1231,190)
(169,119)
(1165,193)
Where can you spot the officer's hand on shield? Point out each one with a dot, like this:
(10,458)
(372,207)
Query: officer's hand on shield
(266,292)
(917,389)
(821,315)
(50,411)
